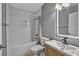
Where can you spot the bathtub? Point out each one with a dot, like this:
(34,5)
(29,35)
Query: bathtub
(20,50)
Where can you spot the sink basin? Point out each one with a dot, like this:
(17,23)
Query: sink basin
(64,46)
(68,47)
(60,44)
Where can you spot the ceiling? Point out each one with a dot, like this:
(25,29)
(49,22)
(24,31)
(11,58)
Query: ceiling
(30,7)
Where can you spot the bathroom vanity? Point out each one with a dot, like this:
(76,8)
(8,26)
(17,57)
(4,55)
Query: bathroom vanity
(51,51)
(57,48)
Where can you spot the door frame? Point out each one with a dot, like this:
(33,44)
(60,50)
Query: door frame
(4,30)
(0,27)
(3,36)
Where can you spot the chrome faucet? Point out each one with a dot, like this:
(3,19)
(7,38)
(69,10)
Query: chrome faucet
(64,40)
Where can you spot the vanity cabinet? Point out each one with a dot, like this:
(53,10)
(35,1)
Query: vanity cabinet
(49,51)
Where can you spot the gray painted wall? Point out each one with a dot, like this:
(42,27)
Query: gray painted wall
(49,24)
(48,20)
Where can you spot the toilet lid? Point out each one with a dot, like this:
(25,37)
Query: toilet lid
(37,48)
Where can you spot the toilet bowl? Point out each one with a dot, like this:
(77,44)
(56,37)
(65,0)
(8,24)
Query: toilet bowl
(37,50)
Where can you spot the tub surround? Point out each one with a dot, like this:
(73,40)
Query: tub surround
(63,48)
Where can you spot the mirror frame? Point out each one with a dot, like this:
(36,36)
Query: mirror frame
(57,27)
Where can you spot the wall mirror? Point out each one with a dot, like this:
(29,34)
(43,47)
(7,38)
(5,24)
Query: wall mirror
(67,20)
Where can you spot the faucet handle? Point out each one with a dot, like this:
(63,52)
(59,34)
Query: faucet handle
(66,37)
(64,40)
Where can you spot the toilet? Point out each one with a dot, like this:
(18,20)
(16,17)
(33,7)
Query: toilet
(37,50)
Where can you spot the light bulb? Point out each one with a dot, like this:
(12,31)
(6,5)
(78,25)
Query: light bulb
(60,7)
(63,4)
(66,5)
(57,6)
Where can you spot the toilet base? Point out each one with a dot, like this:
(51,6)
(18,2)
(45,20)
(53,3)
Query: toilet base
(37,50)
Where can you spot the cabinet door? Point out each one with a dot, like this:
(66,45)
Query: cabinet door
(49,51)
(59,53)
(52,51)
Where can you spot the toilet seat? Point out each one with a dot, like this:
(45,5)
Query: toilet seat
(37,47)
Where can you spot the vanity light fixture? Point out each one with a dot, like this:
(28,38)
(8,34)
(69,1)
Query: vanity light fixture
(66,4)
(59,6)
